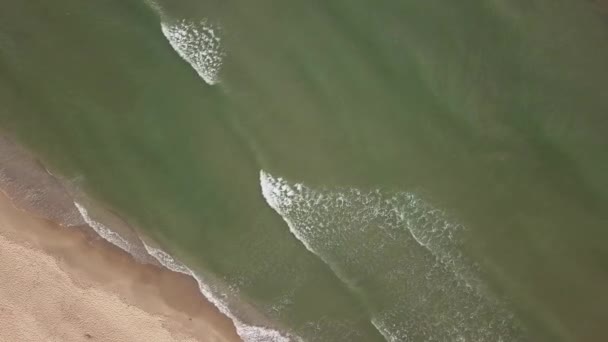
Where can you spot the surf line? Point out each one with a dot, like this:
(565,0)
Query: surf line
(249,333)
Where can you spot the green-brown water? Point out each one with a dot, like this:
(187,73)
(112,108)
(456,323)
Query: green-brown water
(443,163)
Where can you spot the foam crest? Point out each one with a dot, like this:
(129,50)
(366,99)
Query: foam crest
(279,196)
(399,253)
(103,231)
(248,333)
(199,44)
(428,226)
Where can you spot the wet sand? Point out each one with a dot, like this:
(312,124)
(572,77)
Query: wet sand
(68,284)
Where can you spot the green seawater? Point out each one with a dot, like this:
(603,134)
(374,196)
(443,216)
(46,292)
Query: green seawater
(445,162)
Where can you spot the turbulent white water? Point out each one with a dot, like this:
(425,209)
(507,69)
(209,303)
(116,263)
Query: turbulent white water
(401,254)
(199,44)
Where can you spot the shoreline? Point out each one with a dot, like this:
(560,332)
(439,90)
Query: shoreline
(70,283)
(39,217)
(40,193)
(44,195)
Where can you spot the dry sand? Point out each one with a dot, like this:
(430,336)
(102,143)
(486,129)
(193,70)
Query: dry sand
(66,284)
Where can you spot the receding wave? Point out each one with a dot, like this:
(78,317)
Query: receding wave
(400,255)
(103,231)
(246,332)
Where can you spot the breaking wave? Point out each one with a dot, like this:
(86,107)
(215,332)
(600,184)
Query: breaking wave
(398,254)
(199,44)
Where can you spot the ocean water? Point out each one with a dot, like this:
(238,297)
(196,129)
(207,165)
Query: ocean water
(333,170)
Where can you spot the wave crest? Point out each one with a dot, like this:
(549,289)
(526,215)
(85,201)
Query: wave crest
(199,44)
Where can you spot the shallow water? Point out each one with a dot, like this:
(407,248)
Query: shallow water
(339,170)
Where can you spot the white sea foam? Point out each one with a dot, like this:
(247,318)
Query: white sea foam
(424,288)
(427,225)
(103,231)
(385,332)
(279,195)
(199,44)
(248,333)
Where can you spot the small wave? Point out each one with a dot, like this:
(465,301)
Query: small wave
(103,231)
(248,333)
(199,44)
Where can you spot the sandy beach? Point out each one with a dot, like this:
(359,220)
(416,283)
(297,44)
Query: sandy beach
(67,284)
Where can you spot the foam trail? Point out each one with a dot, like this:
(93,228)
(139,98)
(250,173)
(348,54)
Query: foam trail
(248,333)
(425,224)
(279,195)
(421,285)
(273,191)
(199,44)
(103,231)
(384,331)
